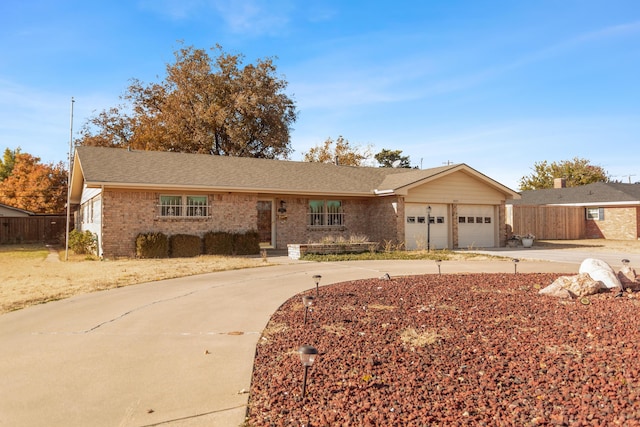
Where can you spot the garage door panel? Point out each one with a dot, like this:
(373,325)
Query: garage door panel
(476,226)
(416,226)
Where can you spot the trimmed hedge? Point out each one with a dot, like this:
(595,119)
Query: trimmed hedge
(224,243)
(152,245)
(185,245)
(159,245)
(247,243)
(218,243)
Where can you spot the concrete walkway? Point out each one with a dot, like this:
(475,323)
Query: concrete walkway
(177,352)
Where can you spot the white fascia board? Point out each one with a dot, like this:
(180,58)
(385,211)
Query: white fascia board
(636,203)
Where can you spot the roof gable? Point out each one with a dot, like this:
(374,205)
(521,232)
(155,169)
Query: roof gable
(10,211)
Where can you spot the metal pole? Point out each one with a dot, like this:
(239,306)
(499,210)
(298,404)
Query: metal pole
(429,230)
(66,242)
(304,381)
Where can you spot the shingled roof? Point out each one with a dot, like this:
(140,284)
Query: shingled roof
(116,167)
(599,193)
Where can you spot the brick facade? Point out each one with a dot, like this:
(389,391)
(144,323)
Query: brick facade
(125,214)
(619,223)
(373,218)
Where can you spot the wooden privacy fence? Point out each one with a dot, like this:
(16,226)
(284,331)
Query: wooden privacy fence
(33,229)
(547,222)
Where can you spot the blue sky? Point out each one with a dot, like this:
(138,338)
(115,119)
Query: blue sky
(498,85)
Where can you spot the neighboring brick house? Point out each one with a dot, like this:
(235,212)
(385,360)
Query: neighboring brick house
(599,210)
(119,193)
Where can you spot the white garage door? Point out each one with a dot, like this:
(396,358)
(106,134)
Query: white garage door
(416,226)
(476,226)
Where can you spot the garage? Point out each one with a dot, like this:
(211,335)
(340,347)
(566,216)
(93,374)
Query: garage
(416,217)
(476,226)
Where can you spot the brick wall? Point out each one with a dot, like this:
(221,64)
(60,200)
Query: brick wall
(129,213)
(374,218)
(618,224)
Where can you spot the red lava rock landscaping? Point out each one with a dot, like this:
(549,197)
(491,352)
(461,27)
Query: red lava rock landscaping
(454,350)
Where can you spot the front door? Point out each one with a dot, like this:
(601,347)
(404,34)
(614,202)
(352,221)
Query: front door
(265,222)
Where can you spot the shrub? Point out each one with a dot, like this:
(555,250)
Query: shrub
(223,243)
(185,245)
(247,243)
(152,245)
(218,243)
(83,242)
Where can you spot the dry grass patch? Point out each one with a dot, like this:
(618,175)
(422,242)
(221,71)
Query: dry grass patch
(31,277)
(381,307)
(337,330)
(414,339)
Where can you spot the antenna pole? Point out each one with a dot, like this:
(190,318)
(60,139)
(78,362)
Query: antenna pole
(66,243)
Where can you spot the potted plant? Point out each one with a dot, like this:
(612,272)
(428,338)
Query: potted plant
(513,241)
(527,240)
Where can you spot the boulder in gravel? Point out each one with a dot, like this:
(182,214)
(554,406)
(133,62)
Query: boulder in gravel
(600,270)
(629,278)
(573,286)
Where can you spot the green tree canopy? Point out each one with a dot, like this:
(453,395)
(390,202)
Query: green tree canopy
(204,105)
(392,158)
(340,151)
(7,162)
(35,186)
(576,172)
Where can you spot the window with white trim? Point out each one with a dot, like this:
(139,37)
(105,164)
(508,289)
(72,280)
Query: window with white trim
(595,214)
(184,206)
(325,213)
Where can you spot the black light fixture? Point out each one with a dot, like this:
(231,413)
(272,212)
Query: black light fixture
(438,262)
(307,357)
(428,228)
(307,301)
(316,278)
(283,207)
(515,265)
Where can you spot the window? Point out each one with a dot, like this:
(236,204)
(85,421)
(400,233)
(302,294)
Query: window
(326,213)
(440,220)
(196,205)
(179,206)
(487,220)
(596,214)
(462,219)
(421,220)
(411,220)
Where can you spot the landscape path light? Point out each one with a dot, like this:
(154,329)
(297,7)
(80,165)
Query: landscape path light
(515,265)
(625,262)
(307,301)
(438,262)
(307,357)
(316,278)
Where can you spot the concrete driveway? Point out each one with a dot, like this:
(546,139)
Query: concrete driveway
(176,352)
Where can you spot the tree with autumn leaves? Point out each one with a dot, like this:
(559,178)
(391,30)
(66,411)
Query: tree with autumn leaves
(576,172)
(28,184)
(204,105)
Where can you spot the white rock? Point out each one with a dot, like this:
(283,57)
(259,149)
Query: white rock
(600,270)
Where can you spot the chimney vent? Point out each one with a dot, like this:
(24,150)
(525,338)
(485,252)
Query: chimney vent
(559,183)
